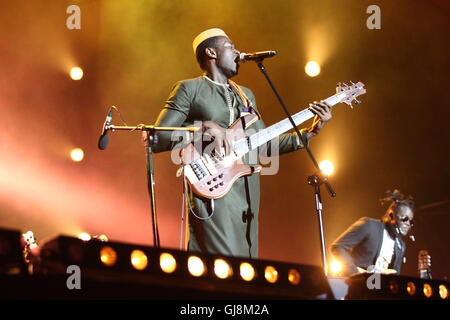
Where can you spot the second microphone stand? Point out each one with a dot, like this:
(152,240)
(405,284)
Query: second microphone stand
(152,140)
(314,180)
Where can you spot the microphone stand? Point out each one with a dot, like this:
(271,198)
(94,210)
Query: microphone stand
(313,180)
(152,140)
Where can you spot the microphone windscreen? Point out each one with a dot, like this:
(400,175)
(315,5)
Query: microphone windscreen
(103,141)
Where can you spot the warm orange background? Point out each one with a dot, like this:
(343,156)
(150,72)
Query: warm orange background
(132,53)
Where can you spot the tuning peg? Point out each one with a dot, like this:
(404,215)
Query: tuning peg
(352,82)
(346,84)
(357,101)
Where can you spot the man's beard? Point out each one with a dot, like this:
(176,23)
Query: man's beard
(230,72)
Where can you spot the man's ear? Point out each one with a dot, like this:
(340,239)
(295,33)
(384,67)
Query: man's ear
(392,217)
(210,52)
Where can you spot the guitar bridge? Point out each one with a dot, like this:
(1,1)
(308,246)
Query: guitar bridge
(198,169)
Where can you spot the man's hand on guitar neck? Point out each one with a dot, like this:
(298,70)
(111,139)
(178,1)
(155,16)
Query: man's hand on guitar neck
(323,115)
(214,132)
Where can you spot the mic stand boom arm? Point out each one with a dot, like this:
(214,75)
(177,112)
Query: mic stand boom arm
(314,182)
(152,139)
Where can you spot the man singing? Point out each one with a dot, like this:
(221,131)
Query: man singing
(228,225)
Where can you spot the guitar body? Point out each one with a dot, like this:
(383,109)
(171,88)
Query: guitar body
(212,176)
(424,264)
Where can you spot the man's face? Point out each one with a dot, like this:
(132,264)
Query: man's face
(404,219)
(227,57)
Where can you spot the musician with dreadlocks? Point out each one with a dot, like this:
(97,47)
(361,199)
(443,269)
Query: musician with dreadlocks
(371,245)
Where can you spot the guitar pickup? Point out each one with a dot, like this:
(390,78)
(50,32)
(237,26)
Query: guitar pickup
(209,164)
(199,171)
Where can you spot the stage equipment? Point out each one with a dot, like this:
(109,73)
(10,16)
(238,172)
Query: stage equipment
(391,287)
(172,274)
(152,139)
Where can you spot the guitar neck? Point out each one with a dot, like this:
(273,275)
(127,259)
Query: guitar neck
(278,128)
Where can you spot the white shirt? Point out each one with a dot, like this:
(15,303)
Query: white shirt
(386,253)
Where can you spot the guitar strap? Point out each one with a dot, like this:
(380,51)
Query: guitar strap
(247,102)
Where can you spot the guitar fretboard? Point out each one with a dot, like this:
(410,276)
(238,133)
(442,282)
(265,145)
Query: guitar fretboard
(243,146)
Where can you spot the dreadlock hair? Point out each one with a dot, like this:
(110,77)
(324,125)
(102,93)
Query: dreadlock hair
(396,200)
(200,53)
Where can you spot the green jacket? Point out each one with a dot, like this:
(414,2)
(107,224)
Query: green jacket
(233,228)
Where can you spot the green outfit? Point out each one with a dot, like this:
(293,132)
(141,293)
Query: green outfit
(233,228)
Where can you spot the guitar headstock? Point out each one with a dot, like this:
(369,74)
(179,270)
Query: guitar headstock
(424,260)
(30,240)
(29,246)
(348,93)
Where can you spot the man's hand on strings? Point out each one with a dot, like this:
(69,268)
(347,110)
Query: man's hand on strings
(222,145)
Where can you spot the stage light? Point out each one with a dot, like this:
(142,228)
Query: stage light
(411,288)
(108,256)
(139,259)
(167,262)
(427,290)
(335,267)
(327,167)
(30,240)
(101,237)
(222,269)
(443,291)
(271,274)
(76,73)
(312,68)
(294,277)
(247,271)
(196,266)
(77,154)
(393,286)
(84,236)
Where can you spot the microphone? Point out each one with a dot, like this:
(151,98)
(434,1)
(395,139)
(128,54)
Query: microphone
(254,56)
(412,237)
(103,140)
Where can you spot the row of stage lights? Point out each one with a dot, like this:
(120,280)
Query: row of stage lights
(222,269)
(411,288)
(196,266)
(418,289)
(101,260)
(97,255)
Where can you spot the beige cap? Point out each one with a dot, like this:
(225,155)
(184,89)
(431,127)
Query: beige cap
(214,32)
